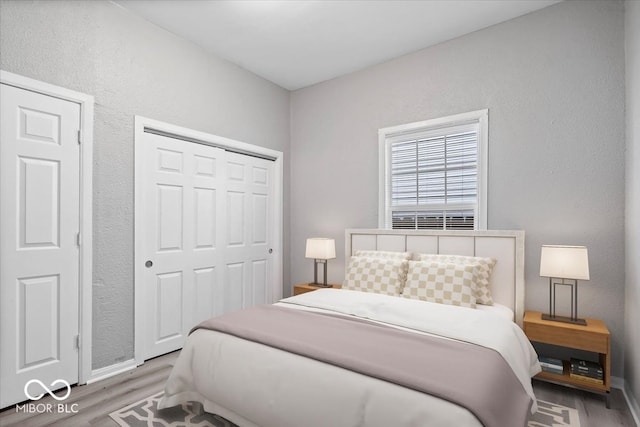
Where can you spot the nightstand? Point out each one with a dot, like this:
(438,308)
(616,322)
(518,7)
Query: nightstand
(594,337)
(305,287)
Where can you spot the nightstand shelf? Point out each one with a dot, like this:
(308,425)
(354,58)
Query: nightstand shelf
(594,337)
(305,287)
(565,379)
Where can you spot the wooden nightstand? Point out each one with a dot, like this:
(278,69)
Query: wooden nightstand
(305,287)
(593,337)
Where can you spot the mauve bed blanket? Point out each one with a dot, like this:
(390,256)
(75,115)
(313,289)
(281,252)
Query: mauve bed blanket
(472,376)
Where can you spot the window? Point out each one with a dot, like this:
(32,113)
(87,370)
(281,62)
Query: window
(433,173)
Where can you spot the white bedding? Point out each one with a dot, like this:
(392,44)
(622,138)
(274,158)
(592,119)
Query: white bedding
(255,385)
(498,309)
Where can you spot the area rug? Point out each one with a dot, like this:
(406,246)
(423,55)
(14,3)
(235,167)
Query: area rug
(551,414)
(145,413)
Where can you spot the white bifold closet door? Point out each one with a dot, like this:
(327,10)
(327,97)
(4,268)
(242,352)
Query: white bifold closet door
(206,236)
(247,241)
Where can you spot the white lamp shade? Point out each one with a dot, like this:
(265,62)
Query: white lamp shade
(320,248)
(564,262)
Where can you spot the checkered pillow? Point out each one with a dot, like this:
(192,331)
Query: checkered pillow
(384,254)
(445,283)
(382,276)
(485,266)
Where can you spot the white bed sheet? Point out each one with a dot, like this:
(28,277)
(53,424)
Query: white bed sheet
(499,309)
(496,308)
(255,385)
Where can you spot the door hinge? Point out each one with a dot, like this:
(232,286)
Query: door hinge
(79,136)
(78,342)
(78,239)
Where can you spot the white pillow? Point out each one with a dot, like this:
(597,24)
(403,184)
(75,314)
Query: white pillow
(378,275)
(441,282)
(383,254)
(483,279)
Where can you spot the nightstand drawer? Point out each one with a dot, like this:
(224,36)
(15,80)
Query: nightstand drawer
(573,337)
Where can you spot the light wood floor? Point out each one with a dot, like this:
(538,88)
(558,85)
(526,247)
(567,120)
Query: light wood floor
(96,401)
(591,406)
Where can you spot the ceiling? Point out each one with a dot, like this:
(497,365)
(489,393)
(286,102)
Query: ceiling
(299,43)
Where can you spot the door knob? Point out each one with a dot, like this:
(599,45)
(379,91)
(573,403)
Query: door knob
(148,264)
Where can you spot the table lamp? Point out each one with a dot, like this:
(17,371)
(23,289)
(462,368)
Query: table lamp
(320,249)
(564,266)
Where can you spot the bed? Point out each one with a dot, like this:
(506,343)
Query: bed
(366,356)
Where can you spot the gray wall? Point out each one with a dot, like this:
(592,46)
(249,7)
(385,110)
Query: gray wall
(553,82)
(632,295)
(133,67)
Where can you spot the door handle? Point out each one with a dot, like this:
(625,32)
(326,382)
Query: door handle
(148,264)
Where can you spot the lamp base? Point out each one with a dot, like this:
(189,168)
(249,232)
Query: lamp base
(564,319)
(319,285)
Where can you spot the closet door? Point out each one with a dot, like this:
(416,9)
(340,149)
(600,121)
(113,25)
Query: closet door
(204,220)
(249,221)
(183,221)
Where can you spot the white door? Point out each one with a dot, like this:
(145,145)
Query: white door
(205,218)
(249,219)
(39,257)
(181,238)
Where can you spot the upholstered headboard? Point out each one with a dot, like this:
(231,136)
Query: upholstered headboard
(507,279)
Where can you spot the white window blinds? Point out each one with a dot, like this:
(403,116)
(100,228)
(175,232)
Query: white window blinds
(432,176)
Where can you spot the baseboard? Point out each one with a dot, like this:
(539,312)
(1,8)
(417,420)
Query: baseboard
(632,403)
(617,382)
(109,371)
